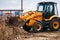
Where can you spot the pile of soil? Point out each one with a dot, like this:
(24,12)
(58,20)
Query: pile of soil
(9,33)
(14,21)
(17,33)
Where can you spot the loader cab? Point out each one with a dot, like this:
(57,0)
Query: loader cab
(48,9)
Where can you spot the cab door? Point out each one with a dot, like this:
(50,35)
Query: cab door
(49,11)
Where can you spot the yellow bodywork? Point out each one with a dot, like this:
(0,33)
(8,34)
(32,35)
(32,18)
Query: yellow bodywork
(33,16)
(31,22)
(50,18)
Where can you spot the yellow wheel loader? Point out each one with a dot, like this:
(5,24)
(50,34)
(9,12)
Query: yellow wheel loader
(46,16)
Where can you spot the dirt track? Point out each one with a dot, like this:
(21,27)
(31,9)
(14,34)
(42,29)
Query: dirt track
(17,33)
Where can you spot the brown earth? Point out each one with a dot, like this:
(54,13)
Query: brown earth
(17,33)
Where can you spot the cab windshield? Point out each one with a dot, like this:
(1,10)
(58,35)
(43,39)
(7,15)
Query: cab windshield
(40,8)
(45,8)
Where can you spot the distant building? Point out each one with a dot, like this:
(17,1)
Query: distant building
(8,13)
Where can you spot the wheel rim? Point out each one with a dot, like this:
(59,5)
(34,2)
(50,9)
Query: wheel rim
(39,26)
(56,25)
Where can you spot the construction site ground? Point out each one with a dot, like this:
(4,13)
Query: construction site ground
(17,33)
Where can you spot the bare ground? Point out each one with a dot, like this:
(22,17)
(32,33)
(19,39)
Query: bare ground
(17,33)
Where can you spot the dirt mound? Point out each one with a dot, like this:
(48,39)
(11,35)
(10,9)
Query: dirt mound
(8,33)
(14,21)
(17,33)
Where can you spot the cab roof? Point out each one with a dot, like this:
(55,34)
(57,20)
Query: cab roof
(47,3)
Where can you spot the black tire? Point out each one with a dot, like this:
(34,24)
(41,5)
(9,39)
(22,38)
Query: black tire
(37,28)
(25,27)
(53,25)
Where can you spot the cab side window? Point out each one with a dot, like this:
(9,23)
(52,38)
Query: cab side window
(49,8)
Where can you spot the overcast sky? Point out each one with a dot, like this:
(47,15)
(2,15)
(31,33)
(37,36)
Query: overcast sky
(27,5)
